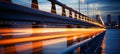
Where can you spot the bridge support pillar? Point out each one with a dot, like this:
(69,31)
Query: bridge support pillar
(34,4)
(70,13)
(63,11)
(83,17)
(75,15)
(79,16)
(53,8)
(86,18)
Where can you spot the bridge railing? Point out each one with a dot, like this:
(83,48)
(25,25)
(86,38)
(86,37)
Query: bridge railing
(89,46)
(77,15)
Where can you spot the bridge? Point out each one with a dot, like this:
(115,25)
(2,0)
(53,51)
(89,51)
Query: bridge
(25,30)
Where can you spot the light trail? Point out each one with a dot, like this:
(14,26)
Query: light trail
(43,34)
(34,37)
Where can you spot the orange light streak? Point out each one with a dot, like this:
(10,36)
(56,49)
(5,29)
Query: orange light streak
(45,34)
(56,33)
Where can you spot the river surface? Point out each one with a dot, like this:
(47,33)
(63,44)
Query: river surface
(111,44)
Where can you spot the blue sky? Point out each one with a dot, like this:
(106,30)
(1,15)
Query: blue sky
(102,7)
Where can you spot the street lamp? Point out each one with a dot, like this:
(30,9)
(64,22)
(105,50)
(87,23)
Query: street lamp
(79,5)
(88,8)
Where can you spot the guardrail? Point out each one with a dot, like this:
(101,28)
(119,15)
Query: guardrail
(46,17)
(89,46)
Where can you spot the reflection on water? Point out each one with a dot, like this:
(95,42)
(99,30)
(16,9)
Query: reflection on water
(41,40)
(55,45)
(111,44)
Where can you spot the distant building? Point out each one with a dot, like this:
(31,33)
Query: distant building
(108,20)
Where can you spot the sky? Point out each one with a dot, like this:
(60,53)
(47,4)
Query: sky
(101,7)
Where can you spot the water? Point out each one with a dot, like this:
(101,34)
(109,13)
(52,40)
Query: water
(112,42)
